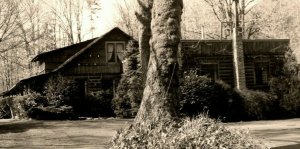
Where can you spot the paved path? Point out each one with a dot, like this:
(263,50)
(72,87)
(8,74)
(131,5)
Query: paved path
(96,133)
(276,134)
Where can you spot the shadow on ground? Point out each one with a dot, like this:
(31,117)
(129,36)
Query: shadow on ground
(295,146)
(18,127)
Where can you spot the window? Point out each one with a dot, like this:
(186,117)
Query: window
(261,73)
(115,51)
(210,70)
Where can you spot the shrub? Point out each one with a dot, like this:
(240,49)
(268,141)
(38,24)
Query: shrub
(51,113)
(19,106)
(96,104)
(60,91)
(259,105)
(129,92)
(5,110)
(200,94)
(287,86)
(201,132)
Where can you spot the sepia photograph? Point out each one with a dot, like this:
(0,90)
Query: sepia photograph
(150,74)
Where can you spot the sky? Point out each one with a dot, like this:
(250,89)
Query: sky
(107,16)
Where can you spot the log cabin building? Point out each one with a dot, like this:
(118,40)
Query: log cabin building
(97,63)
(263,59)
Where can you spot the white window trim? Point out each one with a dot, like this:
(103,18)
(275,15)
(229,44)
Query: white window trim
(112,42)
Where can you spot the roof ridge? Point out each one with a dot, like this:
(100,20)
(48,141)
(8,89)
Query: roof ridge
(84,49)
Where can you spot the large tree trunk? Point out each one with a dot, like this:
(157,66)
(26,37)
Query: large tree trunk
(160,98)
(144,17)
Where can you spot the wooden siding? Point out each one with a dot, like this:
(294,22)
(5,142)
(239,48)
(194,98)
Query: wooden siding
(224,47)
(56,58)
(194,53)
(93,61)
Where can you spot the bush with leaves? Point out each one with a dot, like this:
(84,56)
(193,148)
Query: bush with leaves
(5,107)
(129,92)
(20,106)
(51,113)
(199,132)
(96,104)
(287,85)
(201,94)
(259,105)
(60,91)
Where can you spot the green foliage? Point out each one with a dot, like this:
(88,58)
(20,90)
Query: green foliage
(59,91)
(129,95)
(129,92)
(19,106)
(201,132)
(259,105)
(201,94)
(96,104)
(287,86)
(5,107)
(54,104)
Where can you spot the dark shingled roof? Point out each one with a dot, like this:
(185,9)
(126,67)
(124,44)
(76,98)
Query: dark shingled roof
(39,57)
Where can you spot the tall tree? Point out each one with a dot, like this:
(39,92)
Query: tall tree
(160,94)
(144,17)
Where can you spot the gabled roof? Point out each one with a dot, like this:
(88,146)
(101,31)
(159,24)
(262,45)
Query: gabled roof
(39,57)
(95,40)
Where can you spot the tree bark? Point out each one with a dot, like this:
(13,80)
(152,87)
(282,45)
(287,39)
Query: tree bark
(160,98)
(144,17)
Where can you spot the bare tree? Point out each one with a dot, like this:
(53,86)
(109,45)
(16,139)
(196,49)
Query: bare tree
(93,6)
(199,23)
(127,20)
(22,32)
(223,10)
(68,17)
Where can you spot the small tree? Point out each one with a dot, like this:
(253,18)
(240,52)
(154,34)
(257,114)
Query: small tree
(129,91)
(59,91)
(287,85)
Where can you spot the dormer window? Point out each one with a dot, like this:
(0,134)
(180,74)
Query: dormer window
(114,51)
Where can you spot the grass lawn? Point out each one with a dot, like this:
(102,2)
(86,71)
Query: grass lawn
(58,134)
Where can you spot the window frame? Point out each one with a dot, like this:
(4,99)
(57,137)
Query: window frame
(115,49)
(265,63)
